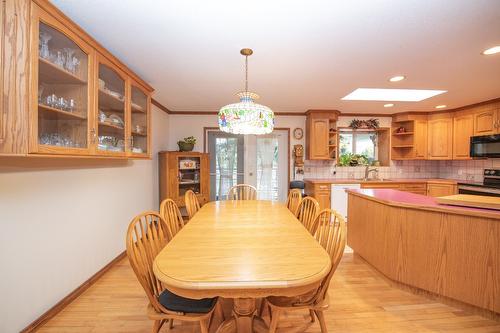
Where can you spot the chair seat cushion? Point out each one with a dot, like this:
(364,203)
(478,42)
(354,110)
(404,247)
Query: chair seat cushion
(178,303)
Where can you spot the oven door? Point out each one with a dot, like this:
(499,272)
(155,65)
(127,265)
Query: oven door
(485,146)
(478,190)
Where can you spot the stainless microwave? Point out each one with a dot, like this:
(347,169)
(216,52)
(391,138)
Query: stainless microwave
(485,146)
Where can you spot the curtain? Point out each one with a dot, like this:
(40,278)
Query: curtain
(267,173)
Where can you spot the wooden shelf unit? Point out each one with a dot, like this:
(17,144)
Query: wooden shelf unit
(176,180)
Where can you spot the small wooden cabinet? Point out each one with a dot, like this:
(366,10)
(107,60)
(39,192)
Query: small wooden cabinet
(463,129)
(440,138)
(321,134)
(440,189)
(182,171)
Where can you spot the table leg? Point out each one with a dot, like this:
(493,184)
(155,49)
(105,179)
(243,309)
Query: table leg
(244,319)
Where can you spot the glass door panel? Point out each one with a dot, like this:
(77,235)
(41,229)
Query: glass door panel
(111,111)
(189,174)
(139,123)
(62,90)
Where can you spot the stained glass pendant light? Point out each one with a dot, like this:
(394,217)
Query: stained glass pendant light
(246,117)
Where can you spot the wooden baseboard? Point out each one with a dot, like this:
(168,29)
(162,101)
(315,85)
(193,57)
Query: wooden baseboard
(35,325)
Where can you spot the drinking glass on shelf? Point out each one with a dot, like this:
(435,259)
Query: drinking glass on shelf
(44,44)
(71,105)
(59,61)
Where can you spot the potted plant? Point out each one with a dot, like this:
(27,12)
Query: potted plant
(187,144)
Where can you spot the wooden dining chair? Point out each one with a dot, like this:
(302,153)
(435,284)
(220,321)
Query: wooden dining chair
(293,200)
(306,213)
(192,203)
(331,234)
(172,216)
(146,236)
(242,192)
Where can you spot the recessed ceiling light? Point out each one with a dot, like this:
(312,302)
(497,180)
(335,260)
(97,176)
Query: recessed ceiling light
(388,105)
(442,106)
(492,50)
(397,78)
(399,95)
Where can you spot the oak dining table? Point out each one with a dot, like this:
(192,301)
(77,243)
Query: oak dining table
(242,250)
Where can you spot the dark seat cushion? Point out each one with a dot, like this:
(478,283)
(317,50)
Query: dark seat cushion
(178,303)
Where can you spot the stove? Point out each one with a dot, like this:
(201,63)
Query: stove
(489,187)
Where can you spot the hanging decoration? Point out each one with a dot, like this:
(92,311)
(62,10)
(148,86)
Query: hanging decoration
(246,117)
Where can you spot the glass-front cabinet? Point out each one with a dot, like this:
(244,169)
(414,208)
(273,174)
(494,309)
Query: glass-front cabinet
(139,137)
(83,100)
(62,90)
(111,108)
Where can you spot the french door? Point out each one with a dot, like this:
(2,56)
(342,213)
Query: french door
(258,160)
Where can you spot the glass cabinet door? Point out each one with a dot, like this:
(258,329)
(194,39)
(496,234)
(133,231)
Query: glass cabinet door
(111,115)
(189,174)
(139,122)
(61,68)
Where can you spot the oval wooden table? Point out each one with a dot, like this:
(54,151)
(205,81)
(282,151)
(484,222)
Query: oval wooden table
(242,250)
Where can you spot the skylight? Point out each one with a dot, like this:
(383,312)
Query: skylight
(399,95)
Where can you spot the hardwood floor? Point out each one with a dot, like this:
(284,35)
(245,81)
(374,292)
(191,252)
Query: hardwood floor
(362,301)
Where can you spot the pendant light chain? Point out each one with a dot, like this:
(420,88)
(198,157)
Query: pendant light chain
(246,73)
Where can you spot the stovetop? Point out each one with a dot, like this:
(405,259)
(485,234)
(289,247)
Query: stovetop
(491,179)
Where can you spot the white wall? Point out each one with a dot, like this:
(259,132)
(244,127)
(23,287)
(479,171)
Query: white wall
(62,220)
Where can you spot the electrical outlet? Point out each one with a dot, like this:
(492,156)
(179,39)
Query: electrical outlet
(350,175)
(417,168)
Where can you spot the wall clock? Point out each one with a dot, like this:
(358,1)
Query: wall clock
(298,133)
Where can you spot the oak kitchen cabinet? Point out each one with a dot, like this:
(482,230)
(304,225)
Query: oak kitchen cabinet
(441,189)
(321,192)
(68,95)
(463,129)
(487,121)
(321,134)
(410,144)
(440,137)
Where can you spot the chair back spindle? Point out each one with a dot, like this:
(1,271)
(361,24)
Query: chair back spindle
(192,203)
(172,216)
(306,213)
(294,199)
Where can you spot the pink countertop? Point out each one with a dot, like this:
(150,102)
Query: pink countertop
(391,180)
(411,200)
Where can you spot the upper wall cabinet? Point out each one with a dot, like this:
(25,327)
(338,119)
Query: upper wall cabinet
(463,129)
(78,100)
(321,134)
(440,138)
(486,122)
(61,90)
(409,137)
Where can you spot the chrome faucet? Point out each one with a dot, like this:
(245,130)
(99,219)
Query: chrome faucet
(368,171)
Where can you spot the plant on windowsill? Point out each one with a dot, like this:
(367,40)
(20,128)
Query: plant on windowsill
(349,159)
(187,144)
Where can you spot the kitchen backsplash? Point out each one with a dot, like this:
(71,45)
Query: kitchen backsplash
(460,170)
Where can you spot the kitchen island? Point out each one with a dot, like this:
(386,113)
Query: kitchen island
(448,251)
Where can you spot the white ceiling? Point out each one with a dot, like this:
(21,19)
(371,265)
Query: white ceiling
(307,54)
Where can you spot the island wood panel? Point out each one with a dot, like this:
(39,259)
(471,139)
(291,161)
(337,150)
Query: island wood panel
(452,255)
